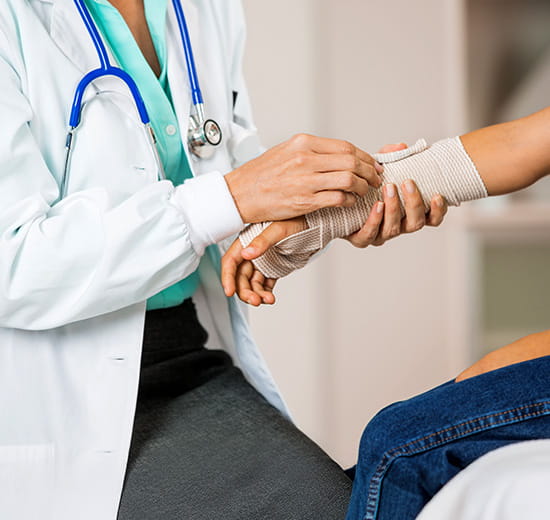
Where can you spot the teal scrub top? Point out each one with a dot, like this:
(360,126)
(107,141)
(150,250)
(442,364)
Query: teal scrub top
(158,100)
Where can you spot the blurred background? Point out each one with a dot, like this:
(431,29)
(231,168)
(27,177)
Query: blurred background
(360,329)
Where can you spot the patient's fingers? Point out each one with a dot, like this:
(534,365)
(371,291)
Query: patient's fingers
(270,283)
(391,227)
(438,210)
(368,233)
(415,212)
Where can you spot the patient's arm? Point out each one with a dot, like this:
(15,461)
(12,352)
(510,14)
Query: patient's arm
(444,168)
(494,160)
(524,349)
(514,155)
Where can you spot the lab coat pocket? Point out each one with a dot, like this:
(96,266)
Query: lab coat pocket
(243,144)
(111,150)
(27,482)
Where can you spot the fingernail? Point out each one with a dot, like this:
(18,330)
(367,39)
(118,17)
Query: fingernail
(409,186)
(390,190)
(439,201)
(249,251)
(379,207)
(378,167)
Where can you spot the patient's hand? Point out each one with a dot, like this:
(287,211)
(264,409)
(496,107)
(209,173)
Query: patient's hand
(524,349)
(380,220)
(238,272)
(389,223)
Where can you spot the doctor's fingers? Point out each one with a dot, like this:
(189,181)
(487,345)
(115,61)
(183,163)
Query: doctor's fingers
(245,291)
(352,166)
(263,287)
(273,234)
(230,263)
(340,181)
(325,145)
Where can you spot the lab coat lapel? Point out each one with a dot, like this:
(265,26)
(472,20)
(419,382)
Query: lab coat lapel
(69,33)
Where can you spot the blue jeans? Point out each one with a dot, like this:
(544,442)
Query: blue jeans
(412,448)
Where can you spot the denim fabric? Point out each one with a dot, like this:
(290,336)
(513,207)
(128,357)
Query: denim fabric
(412,448)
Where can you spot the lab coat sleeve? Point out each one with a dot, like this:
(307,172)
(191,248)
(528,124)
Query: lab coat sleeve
(212,222)
(84,256)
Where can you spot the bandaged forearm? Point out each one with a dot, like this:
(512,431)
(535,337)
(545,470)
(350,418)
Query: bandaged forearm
(443,168)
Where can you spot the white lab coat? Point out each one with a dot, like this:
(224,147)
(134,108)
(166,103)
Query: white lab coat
(74,275)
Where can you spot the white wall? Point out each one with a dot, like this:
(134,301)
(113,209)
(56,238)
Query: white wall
(281,69)
(359,329)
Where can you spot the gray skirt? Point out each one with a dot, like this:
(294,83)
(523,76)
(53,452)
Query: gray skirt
(207,446)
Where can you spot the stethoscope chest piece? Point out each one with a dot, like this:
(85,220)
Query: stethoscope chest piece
(203,137)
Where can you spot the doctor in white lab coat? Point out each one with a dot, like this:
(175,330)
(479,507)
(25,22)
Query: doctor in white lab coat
(75,274)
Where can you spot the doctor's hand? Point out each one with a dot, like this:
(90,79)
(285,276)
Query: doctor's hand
(301,175)
(386,222)
(238,272)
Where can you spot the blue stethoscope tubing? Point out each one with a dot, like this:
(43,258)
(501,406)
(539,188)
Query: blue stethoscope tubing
(107,69)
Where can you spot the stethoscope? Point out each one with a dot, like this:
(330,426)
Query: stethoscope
(203,134)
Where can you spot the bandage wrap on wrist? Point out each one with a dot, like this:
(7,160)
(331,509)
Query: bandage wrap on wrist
(443,168)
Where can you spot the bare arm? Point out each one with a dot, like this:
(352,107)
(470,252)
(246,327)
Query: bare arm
(513,155)
(530,347)
(507,157)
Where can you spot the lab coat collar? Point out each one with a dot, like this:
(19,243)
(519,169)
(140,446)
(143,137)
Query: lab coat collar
(69,34)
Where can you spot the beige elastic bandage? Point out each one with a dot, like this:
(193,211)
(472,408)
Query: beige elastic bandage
(443,168)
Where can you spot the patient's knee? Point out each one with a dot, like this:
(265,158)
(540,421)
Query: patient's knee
(394,427)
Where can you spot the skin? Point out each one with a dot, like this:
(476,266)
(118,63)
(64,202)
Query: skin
(133,13)
(323,172)
(297,177)
(301,175)
(509,157)
(384,223)
(530,347)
